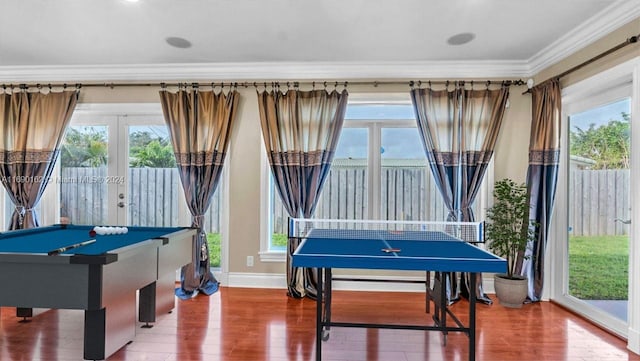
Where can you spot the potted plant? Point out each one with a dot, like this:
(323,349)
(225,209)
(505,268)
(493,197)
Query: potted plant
(508,233)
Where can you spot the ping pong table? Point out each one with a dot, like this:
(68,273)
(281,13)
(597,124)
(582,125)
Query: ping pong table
(325,249)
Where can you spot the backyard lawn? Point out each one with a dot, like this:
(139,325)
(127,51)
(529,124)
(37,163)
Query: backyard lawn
(599,267)
(213,241)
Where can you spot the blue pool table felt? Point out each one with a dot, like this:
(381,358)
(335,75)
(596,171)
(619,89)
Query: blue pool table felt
(45,239)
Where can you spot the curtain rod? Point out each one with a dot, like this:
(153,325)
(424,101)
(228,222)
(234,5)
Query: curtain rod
(292,84)
(629,41)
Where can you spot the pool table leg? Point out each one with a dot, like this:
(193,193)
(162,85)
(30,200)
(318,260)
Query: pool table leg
(94,334)
(147,304)
(157,298)
(24,312)
(165,292)
(108,329)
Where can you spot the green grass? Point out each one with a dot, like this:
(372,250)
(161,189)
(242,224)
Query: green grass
(213,241)
(279,240)
(599,267)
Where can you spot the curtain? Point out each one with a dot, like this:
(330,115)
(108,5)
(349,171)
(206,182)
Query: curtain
(482,112)
(459,129)
(200,124)
(542,177)
(301,131)
(32,125)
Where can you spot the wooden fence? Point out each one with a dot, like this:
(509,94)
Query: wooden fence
(154,194)
(596,200)
(407,192)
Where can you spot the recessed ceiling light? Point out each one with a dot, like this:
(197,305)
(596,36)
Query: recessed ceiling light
(131,1)
(460,39)
(178,42)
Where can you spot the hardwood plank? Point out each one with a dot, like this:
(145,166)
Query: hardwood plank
(265,324)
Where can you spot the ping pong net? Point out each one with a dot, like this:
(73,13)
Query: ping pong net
(471,232)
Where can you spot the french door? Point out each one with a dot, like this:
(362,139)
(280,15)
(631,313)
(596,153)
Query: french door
(117,167)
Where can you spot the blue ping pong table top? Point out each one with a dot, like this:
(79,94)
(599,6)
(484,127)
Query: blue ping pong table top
(363,249)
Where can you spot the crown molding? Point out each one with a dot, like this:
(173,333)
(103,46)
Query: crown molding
(263,71)
(611,18)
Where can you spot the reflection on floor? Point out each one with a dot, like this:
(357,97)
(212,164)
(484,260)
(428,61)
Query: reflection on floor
(617,308)
(241,324)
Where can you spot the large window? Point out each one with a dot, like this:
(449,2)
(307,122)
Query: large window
(379,172)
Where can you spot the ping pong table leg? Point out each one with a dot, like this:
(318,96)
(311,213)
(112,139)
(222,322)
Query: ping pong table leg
(472,316)
(443,309)
(319,314)
(328,286)
(439,316)
(428,295)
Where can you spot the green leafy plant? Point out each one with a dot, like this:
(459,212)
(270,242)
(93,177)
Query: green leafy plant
(509,230)
(155,154)
(84,148)
(607,144)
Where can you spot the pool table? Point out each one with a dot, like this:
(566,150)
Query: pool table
(101,278)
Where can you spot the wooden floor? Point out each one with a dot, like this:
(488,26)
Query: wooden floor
(239,324)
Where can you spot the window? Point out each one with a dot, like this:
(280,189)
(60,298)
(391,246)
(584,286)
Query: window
(379,172)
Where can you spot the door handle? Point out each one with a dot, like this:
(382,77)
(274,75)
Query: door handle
(628,221)
(121,204)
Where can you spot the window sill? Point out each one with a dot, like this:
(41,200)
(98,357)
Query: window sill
(273,256)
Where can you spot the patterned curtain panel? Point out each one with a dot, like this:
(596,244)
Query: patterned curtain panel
(200,123)
(301,131)
(459,129)
(438,120)
(481,112)
(32,125)
(542,177)
(437,116)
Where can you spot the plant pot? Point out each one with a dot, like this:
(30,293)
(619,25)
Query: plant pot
(510,292)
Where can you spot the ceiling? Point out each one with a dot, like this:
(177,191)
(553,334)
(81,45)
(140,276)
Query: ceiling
(110,39)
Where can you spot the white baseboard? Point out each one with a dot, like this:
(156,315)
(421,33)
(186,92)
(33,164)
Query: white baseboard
(254,280)
(271,280)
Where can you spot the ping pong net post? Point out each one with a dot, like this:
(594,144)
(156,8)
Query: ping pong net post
(471,232)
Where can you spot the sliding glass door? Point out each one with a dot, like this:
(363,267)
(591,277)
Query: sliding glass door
(599,206)
(593,216)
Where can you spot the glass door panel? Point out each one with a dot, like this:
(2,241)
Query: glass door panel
(83,175)
(152,178)
(599,207)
